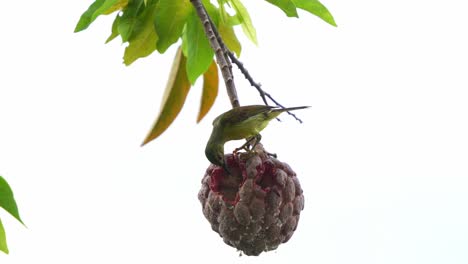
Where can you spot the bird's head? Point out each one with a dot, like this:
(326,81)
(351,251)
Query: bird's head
(215,154)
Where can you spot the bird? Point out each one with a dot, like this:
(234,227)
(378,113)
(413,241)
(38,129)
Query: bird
(244,122)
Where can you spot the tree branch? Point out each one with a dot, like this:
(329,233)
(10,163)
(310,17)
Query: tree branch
(219,53)
(232,58)
(224,57)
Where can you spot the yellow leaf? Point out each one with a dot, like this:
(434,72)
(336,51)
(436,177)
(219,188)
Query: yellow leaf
(210,90)
(176,91)
(230,39)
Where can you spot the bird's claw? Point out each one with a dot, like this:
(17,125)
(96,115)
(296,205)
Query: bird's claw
(246,146)
(243,147)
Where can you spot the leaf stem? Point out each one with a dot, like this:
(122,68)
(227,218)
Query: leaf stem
(219,52)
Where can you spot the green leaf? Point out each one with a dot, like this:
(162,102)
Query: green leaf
(119,5)
(184,44)
(3,242)
(287,6)
(230,39)
(107,7)
(225,17)
(212,11)
(233,21)
(176,91)
(316,8)
(144,38)
(170,19)
(129,19)
(199,52)
(210,90)
(88,16)
(244,17)
(99,7)
(115,30)
(7,200)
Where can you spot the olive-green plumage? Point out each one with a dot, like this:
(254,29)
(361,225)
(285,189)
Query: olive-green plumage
(239,123)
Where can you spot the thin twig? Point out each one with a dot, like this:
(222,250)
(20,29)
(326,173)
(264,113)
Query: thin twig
(219,53)
(257,86)
(232,58)
(224,57)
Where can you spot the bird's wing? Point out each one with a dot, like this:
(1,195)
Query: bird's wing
(240,114)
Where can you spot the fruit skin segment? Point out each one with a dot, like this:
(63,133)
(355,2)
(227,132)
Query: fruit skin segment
(257,206)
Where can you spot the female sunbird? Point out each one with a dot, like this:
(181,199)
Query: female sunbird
(243,122)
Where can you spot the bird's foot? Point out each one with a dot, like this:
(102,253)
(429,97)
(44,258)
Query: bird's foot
(257,138)
(245,146)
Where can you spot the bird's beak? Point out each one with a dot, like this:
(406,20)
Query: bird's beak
(226,168)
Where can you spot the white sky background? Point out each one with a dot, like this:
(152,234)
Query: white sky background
(382,155)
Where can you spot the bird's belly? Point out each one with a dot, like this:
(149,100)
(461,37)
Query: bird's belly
(244,130)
